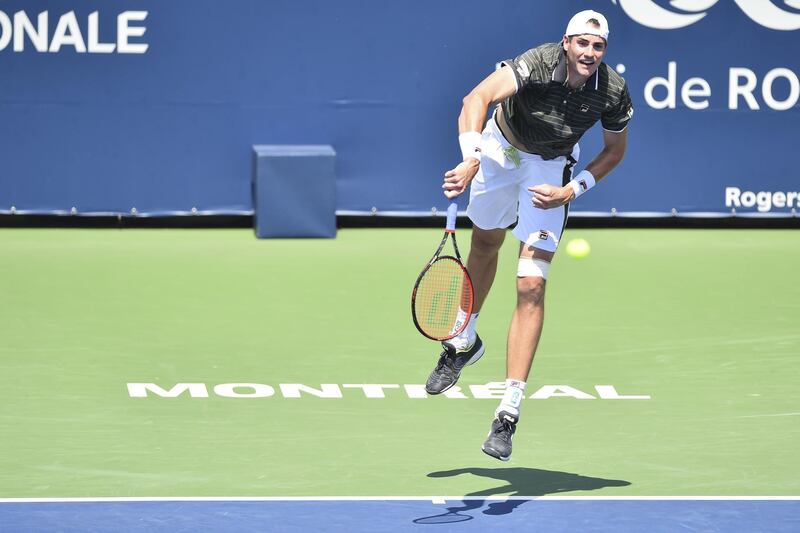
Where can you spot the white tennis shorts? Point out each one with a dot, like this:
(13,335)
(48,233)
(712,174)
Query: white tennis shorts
(499,192)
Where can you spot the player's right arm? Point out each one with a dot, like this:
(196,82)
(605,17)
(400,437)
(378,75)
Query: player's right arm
(496,87)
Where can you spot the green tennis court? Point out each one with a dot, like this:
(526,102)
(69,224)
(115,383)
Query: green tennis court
(703,322)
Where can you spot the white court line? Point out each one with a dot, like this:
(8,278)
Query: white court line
(433,499)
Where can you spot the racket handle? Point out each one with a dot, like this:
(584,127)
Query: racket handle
(452,213)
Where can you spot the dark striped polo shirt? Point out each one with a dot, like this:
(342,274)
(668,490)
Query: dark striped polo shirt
(546,117)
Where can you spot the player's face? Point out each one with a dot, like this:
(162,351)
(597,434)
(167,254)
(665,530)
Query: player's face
(584,54)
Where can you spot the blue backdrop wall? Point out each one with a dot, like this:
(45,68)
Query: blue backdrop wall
(107,106)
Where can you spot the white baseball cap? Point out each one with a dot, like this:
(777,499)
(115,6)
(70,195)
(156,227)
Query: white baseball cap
(579,24)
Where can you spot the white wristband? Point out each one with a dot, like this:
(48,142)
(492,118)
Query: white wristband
(470,143)
(582,182)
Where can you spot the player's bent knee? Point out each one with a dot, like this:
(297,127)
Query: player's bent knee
(530,291)
(531,267)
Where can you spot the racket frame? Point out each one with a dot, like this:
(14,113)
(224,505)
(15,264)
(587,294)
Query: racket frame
(450,231)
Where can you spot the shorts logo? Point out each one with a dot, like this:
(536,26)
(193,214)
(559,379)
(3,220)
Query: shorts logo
(583,185)
(543,235)
(584,108)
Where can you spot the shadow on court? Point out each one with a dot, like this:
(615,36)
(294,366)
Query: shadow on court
(520,482)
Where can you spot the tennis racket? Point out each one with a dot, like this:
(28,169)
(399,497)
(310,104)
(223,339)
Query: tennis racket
(441,289)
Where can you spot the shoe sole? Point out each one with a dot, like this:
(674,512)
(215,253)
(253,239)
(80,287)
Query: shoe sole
(494,454)
(444,389)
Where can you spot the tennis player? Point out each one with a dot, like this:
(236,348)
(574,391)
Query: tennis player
(520,169)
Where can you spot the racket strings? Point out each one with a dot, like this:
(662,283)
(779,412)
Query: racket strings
(443,289)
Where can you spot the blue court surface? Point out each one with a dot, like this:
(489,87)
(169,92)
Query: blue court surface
(397,514)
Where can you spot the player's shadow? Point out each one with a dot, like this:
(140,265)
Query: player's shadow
(519,482)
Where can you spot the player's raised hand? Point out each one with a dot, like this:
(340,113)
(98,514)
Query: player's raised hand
(458,179)
(547,196)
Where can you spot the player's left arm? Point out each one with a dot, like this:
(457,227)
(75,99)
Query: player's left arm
(615,139)
(614,145)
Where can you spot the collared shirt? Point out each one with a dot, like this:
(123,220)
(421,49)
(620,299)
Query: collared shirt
(546,117)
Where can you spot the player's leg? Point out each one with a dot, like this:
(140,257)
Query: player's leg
(482,267)
(523,339)
(539,232)
(528,317)
(467,348)
(482,261)
(492,208)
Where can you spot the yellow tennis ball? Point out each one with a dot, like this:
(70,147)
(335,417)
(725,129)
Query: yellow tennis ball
(578,248)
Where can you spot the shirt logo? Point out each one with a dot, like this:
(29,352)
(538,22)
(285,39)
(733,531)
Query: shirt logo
(584,108)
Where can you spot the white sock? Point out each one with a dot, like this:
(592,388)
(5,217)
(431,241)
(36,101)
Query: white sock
(515,392)
(461,317)
(470,329)
(468,335)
